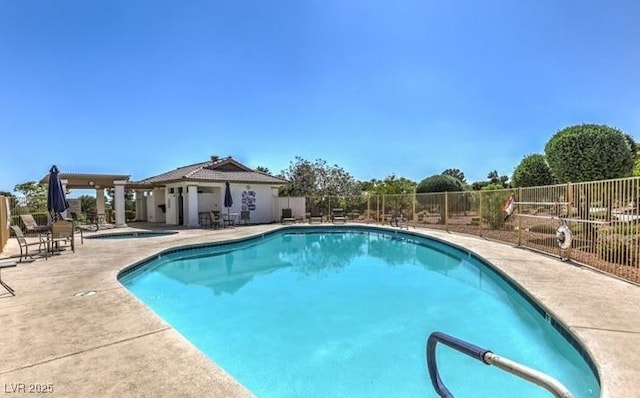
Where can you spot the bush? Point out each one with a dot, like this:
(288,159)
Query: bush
(619,249)
(492,212)
(543,228)
(440,183)
(590,152)
(624,228)
(532,171)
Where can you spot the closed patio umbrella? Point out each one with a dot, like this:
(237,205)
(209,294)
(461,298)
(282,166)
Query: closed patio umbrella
(56,200)
(228,200)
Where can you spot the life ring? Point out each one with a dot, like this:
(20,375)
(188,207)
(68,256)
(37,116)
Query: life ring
(564,236)
(508,207)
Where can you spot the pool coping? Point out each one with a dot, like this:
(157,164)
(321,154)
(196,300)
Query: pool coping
(53,329)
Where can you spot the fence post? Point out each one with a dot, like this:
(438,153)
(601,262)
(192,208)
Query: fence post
(446,211)
(570,212)
(415,198)
(519,218)
(480,212)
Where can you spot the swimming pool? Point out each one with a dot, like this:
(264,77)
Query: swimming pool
(131,235)
(345,311)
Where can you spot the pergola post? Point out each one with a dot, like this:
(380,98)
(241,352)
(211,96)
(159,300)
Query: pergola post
(141,205)
(119,204)
(192,206)
(100,201)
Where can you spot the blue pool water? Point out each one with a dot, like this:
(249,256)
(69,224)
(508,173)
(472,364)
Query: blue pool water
(346,313)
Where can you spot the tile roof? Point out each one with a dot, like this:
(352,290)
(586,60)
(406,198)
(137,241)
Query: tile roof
(214,170)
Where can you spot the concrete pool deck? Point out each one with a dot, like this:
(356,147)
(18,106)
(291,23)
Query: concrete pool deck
(110,344)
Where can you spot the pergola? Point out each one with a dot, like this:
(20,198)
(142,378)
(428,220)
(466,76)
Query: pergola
(100,182)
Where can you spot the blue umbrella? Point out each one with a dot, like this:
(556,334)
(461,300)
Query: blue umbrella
(56,200)
(228,200)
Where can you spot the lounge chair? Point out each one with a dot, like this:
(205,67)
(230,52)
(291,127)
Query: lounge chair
(337,215)
(77,227)
(245,216)
(315,215)
(96,221)
(24,244)
(287,216)
(32,227)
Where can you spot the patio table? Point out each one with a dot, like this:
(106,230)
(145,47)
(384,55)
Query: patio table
(229,218)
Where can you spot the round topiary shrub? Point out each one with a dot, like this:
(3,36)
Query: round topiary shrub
(440,183)
(533,171)
(590,152)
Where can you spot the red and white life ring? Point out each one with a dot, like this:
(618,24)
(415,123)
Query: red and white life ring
(564,236)
(509,205)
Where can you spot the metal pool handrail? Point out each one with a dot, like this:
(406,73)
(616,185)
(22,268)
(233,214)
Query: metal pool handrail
(541,379)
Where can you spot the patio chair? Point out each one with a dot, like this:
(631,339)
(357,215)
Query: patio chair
(337,215)
(315,215)
(245,217)
(62,231)
(400,221)
(287,216)
(32,227)
(216,221)
(229,219)
(24,244)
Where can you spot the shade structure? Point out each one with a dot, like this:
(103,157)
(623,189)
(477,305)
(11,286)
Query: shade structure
(228,199)
(56,200)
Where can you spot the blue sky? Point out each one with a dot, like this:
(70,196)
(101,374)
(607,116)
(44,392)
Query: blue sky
(409,88)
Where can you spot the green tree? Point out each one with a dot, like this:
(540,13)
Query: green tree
(87,204)
(493,178)
(590,152)
(129,201)
(263,169)
(389,186)
(456,173)
(35,194)
(478,185)
(636,168)
(440,183)
(533,171)
(399,194)
(369,186)
(317,179)
(6,194)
